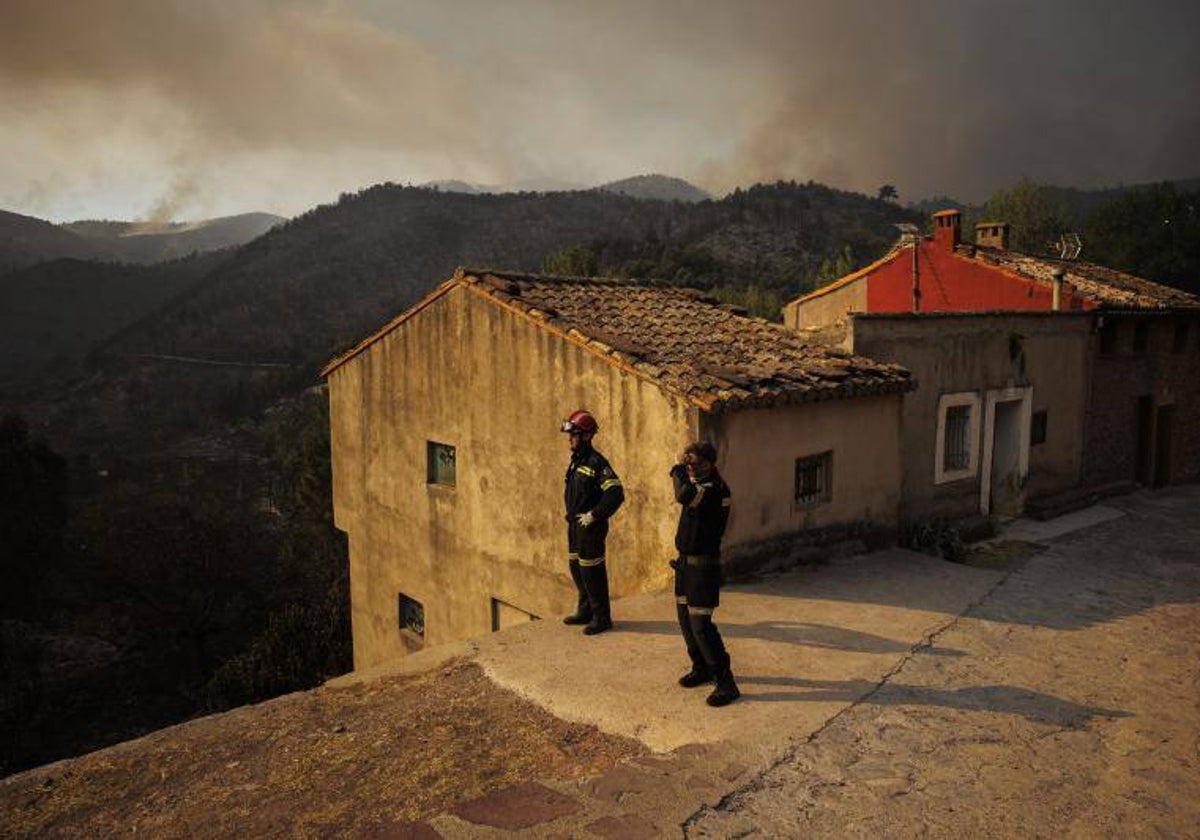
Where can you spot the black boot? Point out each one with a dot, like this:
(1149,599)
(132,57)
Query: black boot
(712,646)
(726,691)
(583,609)
(695,677)
(700,673)
(595,580)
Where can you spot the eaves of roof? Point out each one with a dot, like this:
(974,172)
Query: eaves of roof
(896,251)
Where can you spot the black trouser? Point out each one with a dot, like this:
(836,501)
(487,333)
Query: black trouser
(697,594)
(588,569)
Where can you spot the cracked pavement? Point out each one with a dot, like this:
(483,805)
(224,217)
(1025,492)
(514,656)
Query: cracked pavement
(1074,711)
(1048,687)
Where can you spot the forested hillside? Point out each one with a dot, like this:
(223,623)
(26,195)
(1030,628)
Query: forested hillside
(51,314)
(26,241)
(316,284)
(289,301)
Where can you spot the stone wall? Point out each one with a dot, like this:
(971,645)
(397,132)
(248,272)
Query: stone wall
(982,354)
(1163,374)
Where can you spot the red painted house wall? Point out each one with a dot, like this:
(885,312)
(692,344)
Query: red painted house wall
(952,283)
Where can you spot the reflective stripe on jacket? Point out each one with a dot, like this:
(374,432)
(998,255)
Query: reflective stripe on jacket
(591,485)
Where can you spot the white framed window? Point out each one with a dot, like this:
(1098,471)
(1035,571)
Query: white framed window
(956,452)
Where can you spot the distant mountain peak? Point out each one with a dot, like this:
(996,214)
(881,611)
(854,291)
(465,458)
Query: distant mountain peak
(662,187)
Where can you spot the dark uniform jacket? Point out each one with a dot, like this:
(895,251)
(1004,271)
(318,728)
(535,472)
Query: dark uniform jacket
(591,485)
(704,515)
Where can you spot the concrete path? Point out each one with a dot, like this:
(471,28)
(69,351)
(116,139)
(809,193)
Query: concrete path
(1032,530)
(896,695)
(803,646)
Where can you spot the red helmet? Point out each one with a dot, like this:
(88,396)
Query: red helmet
(581,422)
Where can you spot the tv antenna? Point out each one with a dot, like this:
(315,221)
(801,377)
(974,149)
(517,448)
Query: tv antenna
(1068,246)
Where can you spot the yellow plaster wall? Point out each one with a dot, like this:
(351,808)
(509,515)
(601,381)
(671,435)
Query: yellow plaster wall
(758,449)
(827,308)
(470,373)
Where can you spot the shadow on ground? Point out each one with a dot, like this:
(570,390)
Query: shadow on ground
(792,633)
(1003,699)
(1155,541)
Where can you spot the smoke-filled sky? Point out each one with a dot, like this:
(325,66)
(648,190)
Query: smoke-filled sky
(191,108)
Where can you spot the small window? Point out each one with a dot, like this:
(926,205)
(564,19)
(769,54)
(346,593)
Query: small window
(957,453)
(814,479)
(440,463)
(1108,336)
(1037,428)
(1179,345)
(412,615)
(1141,337)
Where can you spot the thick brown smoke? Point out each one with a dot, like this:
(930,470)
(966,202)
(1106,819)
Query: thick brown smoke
(221,79)
(279,101)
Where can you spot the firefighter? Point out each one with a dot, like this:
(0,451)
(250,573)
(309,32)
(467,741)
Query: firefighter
(593,493)
(704,500)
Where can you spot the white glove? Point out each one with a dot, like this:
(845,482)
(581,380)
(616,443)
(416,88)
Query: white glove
(585,519)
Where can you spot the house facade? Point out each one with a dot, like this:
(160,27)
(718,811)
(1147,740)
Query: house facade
(447,462)
(1036,375)
(997,418)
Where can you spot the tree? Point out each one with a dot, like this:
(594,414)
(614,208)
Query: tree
(888,193)
(757,301)
(1037,216)
(1152,232)
(572,261)
(835,268)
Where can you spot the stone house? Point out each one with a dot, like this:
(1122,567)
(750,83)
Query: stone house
(448,463)
(997,419)
(1039,377)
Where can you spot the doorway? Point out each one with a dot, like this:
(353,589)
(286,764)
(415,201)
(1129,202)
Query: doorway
(1006,459)
(1162,444)
(1144,430)
(1007,418)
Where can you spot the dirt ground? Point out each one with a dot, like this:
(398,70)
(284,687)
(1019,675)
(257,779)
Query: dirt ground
(359,760)
(1075,713)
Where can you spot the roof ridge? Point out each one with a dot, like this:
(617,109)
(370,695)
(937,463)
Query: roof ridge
(682,340)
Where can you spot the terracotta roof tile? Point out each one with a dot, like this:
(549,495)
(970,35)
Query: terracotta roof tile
(688,343)
(1110,288)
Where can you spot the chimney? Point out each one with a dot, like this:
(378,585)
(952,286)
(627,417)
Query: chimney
(992,235)
(947,229)
(1056,278)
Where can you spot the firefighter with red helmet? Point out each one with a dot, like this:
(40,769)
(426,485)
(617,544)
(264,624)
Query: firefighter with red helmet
(592,494)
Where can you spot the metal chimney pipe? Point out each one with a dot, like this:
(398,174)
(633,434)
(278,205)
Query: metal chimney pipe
(1057,279)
